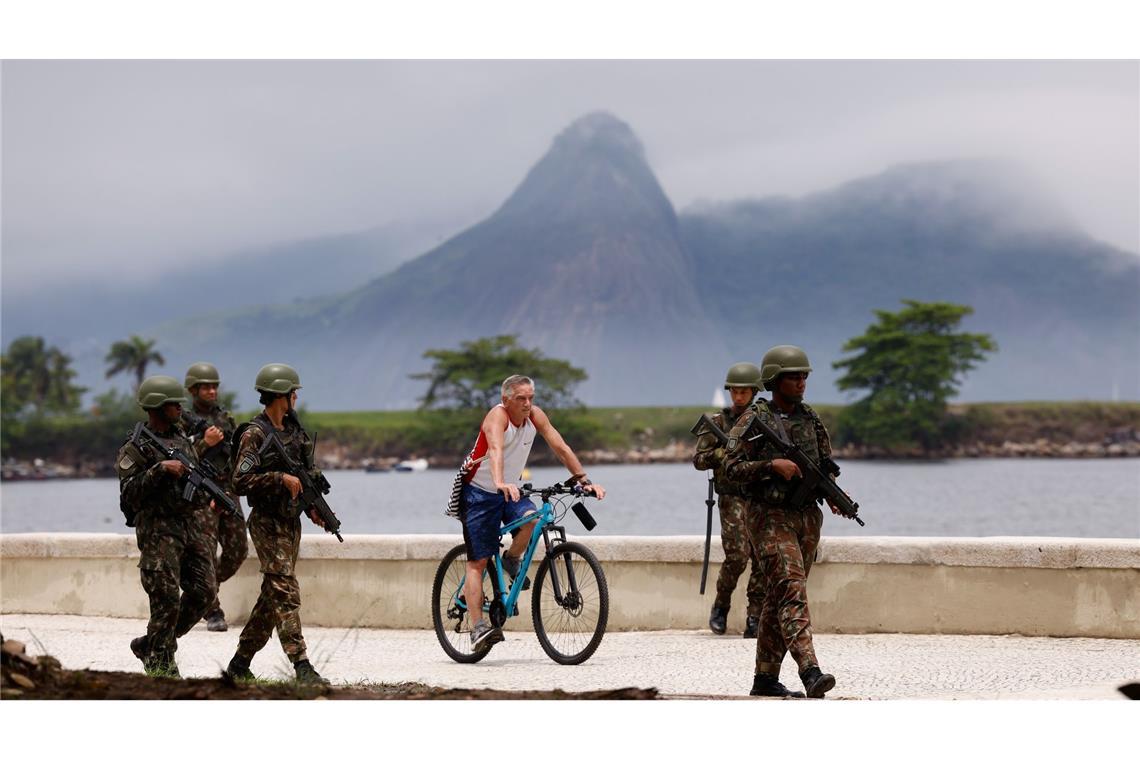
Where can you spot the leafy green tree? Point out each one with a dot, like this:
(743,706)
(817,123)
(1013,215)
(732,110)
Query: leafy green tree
(911,363)
(38,375)
(471,377)
(132,355)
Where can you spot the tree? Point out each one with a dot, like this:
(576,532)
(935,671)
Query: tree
(471,377)
(911,364)
(132,355)
(40,375)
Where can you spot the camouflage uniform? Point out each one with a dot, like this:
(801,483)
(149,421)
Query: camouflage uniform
(174,552)
(785,536)
(733,504)
(222,527)
(275,527)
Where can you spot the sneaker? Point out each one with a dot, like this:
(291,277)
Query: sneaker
(751,627)
(306,673)
(768,685)
(718,620)
(511,565)
(238,669)
(816,682)
(216,621)
(484,636)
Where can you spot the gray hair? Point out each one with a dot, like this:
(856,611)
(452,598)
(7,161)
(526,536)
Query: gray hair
(513,382)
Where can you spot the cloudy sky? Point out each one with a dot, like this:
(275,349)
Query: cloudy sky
(109,163)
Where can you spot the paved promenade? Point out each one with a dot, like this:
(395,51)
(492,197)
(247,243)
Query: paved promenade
(677,663)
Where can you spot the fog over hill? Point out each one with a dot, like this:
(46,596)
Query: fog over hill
(588,261)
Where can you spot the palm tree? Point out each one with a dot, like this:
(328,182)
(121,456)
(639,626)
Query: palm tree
(132,355)
(40,375)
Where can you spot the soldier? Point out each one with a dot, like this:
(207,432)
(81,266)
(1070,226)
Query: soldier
(211,429)
(785,535)
(173,551)
(274,522)
(742,383)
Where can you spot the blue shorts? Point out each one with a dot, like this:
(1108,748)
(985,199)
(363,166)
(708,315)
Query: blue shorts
(483,514)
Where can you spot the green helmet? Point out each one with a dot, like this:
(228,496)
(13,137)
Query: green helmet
(157,390)
(201,372)
(780,359)
(742,375)
(277,378)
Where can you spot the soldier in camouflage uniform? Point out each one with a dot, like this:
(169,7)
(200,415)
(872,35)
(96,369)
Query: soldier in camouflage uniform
(212,429)
(785,535)
(173,551)
(274,522)
(743,383)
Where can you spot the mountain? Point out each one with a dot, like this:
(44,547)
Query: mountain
(981,233)
(583,260)
(588,261)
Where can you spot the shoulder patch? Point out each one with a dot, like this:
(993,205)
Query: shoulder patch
(126,462)
(733,443)
(246,465)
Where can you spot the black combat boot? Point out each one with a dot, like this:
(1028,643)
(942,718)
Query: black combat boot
(768,685)
(140,648)
(751,627)
(238,669)
(216,621)
(816,682)
(718,620)
(306,673)
(161,666)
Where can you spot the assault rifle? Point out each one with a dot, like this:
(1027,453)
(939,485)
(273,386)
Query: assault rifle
(311,498)
(219,453)
(201,475)
(814,485)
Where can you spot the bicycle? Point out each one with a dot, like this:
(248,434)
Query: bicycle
(570,601)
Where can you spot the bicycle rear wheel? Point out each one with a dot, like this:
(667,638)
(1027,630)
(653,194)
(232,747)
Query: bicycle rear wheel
(571,604)
(452,622)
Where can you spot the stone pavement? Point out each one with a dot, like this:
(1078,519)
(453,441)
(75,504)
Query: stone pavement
(677,663)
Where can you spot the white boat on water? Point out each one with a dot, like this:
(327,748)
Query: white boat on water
(412,465)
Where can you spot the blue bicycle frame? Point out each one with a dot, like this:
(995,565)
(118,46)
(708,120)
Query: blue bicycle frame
(543,529)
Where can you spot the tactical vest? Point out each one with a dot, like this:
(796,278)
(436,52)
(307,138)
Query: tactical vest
(296,442)
(801,427)
(166,501)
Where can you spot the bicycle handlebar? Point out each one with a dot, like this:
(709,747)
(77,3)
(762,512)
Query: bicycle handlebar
(557,489)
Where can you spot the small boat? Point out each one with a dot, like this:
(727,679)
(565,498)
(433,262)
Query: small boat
(411,465)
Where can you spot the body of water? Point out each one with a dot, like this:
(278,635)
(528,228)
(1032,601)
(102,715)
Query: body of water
(1091,498)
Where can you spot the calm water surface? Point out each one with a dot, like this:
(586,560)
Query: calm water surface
(996,497)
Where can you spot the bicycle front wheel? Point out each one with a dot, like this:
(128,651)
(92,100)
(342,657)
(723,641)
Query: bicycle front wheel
(571,604)
(448,612)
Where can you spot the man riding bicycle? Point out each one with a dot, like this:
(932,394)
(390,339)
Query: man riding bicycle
(491,495)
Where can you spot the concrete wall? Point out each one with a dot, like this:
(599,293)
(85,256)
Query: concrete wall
(1028,586)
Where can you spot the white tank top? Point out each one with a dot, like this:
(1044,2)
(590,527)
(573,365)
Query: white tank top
(516,448)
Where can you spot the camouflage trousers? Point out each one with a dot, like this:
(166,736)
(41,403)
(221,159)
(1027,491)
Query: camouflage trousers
(174,557)
(227,530)
(737,554)
(277,541)
(785,542)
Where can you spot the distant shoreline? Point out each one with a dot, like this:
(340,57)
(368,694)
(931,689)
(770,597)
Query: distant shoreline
(618,435)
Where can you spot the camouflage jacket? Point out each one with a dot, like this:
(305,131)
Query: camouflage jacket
(220,454)
(259,471)
(750,463)
(710,454)
(145,487)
